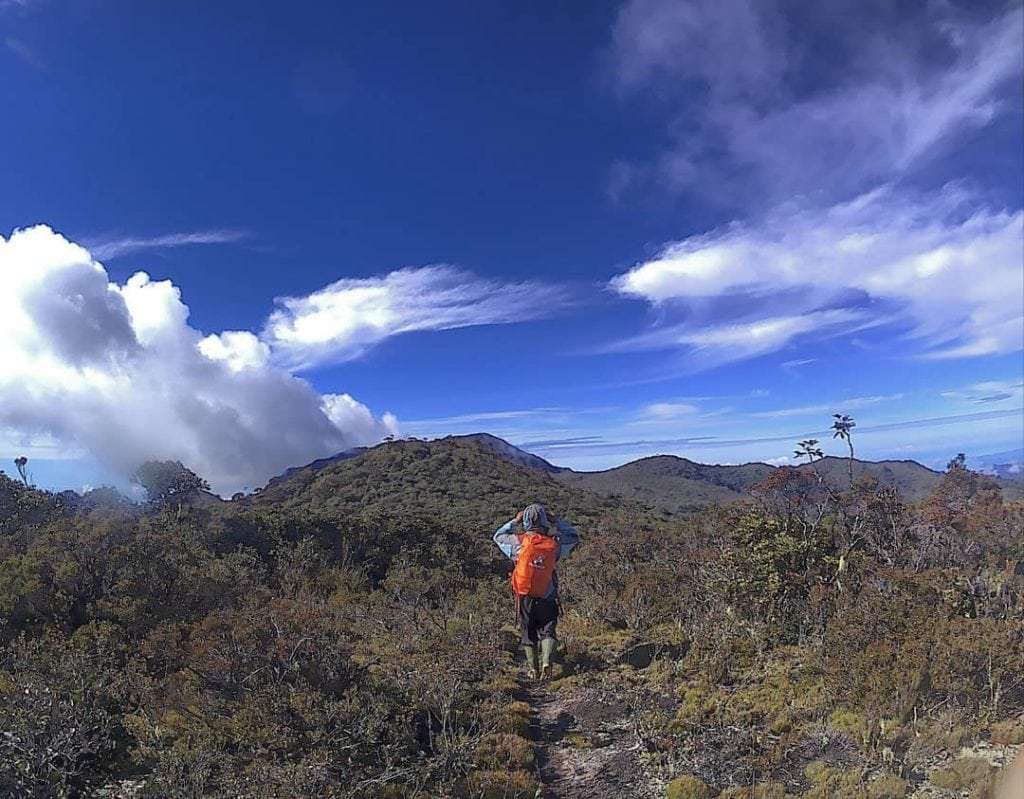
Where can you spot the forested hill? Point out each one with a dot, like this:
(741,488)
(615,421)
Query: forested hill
(484,468)
(457,480)
(671,483)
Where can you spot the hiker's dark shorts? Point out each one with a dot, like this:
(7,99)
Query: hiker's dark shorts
(537,618)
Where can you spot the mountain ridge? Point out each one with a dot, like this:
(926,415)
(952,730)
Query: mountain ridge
(663,482)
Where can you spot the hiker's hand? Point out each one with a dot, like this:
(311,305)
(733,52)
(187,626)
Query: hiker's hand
(519,517)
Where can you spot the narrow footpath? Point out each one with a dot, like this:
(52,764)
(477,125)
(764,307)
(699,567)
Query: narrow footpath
(584,744)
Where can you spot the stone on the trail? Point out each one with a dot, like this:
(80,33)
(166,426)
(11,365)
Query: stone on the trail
(641,654)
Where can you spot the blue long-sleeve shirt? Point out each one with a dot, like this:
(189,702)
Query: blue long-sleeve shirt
(510,543)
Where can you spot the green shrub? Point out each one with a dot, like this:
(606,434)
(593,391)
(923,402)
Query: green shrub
(774,563)
(699,700)
(850,722)
(498,785)
(964,773)
(1008,732)
(505,751)
(763,790)
(60,708)
(945,734)
(888,786)
(510,717)
(687,787)
(828,782)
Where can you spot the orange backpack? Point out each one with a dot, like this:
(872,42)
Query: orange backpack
(535,565)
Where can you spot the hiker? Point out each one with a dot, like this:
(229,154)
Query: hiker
(535,550)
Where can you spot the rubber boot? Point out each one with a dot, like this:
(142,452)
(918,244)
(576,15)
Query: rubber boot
(547,651)
(531,661)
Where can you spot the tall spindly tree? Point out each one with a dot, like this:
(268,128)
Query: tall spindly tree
(842,428)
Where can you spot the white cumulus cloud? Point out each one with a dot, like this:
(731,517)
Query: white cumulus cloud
(116,370)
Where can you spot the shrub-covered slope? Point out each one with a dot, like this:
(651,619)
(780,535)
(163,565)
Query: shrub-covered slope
(461,480)
(347,632)
(672,483)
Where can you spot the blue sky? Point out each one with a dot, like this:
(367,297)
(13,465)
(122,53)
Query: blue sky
(601,230)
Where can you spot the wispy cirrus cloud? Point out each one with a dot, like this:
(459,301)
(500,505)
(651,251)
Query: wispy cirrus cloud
(24,52)
(348,317)
(664,411)
(812,129)
(988,392)
(708,343)
(463,419)
(343,320)
(106,249)
(7,5)
(850,404)
(797,363)
(897,87)
(942,268)
(652,445)
(552,443)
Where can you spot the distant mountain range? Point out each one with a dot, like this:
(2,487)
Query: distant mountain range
(677,484)
(1007,465)
(664,482)
(668,482)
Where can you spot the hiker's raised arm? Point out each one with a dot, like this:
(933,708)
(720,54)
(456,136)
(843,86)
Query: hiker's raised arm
(568,537)
(507,540)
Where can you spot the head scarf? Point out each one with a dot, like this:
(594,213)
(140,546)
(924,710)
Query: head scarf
(535,517)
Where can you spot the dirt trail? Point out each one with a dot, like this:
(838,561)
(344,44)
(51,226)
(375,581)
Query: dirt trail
(999,756)
(584,744)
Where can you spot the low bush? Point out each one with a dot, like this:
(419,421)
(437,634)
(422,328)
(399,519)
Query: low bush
(1008,732)
(964,773)
(687,787)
